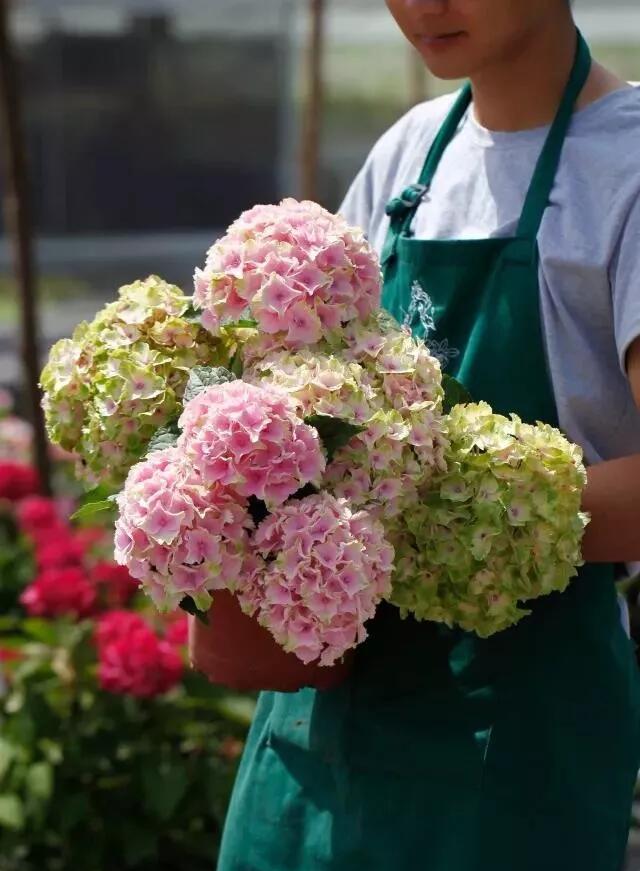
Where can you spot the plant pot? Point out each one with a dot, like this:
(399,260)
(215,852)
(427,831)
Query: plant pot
(235,651)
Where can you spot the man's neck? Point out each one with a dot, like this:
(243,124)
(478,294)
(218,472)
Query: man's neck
(524,88)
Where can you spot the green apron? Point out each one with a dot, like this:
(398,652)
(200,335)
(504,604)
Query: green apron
(444,751)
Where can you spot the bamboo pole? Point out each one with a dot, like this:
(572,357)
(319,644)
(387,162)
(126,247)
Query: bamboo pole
(18,225)
(314,101)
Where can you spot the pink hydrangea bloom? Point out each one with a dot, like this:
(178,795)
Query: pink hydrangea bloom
(59,592)
(118,624)
(139,664)
(36,514)
(296,268)
(383,467)
(251,439)
(115,585)
(320,572)
(178,535)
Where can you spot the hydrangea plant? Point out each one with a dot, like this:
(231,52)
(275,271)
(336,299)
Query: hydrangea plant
(321,571)
(119,378)
(295,269)
(178,535)
(500,527)
(376,375)
(250,439)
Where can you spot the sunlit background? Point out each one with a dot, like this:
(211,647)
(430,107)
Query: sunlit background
(152,123)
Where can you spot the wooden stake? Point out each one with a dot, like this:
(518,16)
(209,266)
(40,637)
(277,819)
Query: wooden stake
(19,231)
(314,102)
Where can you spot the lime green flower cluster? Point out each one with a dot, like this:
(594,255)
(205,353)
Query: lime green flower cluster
(319,383)
(109,387)
(501,526)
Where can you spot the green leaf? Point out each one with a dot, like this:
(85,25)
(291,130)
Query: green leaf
(40,630)
(8,624)
(187,604)
(334,432)
(236,365)
(11,812)
(192,315)
(238,709)
(14,702)
(39,780)
(8,753)
(455,393)
(102,491)
(164,437)
(246,323)
(53,750)
(164,786)
(139,844)
(92,508)
(72,812)
(202,377)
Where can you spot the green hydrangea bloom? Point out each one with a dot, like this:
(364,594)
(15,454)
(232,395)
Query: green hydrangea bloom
(319,383)
(501,526)
(116,380)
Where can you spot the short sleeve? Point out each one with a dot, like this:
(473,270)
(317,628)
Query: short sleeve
(401,146)
(357,206)
(625,284)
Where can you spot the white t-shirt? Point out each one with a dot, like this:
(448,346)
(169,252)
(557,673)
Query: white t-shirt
(589,240)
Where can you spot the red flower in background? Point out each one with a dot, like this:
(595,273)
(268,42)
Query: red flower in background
(36,514)
(17,481)
(139,664)
(115,584)
(90,537)
(117,624)
(177,632)
(59,592)
(58,550)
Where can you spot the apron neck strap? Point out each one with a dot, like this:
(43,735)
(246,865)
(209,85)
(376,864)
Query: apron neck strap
(544,175)
(445,135)
(401,210)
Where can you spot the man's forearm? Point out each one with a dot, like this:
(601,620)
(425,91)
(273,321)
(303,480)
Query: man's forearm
(612,498)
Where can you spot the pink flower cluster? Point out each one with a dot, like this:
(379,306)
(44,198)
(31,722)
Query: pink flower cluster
(295,268)
(133,660)
(318,575)
(17,481)
(118,587)
(72,580)
(402,367)
(382,468)
(177,534)
(69,582)
(250,439)
(58,592)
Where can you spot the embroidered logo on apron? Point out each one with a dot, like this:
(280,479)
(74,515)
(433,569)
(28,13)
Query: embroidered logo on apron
(421,311)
